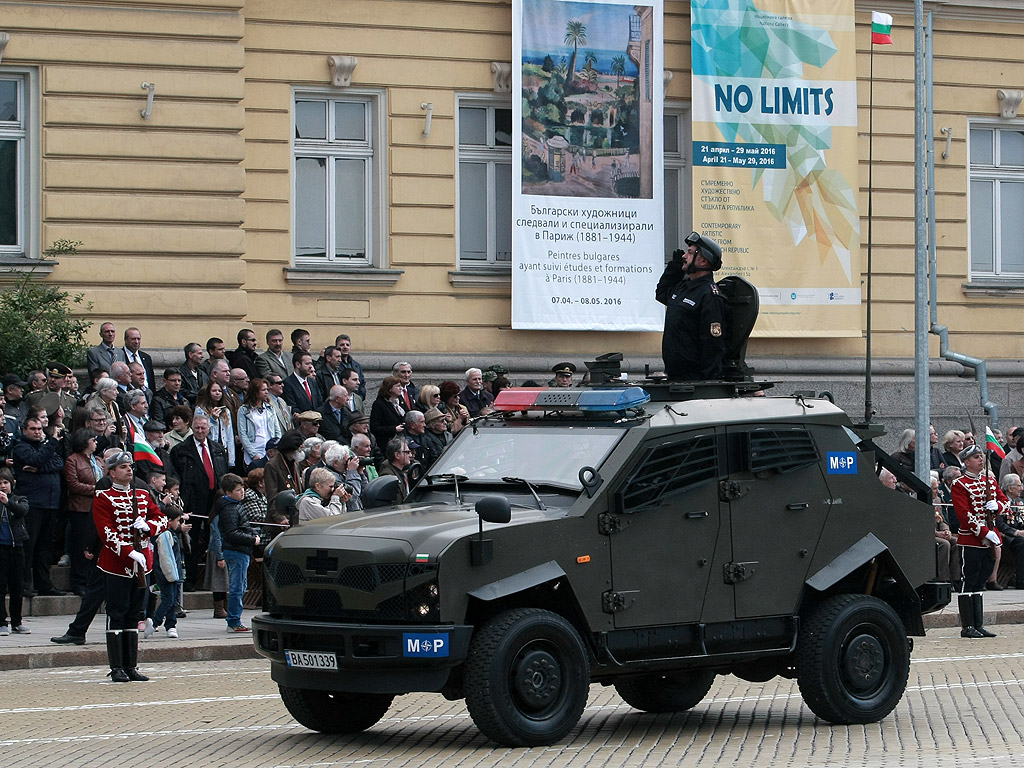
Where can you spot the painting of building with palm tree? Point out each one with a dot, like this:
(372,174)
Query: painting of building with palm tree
(587,106)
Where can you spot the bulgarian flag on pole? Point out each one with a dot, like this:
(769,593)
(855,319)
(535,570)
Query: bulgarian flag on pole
(993,445)
(881,28)
(141,449)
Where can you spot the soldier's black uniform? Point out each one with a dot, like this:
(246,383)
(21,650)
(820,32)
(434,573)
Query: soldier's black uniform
(693,343)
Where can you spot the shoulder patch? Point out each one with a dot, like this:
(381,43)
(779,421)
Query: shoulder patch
(716,329)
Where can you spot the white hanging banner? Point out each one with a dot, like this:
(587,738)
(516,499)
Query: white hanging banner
(587,191)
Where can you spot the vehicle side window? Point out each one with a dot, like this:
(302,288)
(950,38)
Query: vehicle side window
(670,469)
(781,450)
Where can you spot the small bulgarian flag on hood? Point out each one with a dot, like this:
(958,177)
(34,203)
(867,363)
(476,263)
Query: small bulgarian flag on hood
(881,28)
(993,445)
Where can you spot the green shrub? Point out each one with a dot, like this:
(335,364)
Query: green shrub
(37,322)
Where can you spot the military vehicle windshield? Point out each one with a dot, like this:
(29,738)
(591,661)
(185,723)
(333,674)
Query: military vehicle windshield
(543,455)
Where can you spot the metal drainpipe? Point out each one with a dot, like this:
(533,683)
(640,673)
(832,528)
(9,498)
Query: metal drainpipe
(978,365)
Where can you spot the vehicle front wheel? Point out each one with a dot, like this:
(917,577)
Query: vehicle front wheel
(853,659)
(329,712)
(675,692)
(527,677)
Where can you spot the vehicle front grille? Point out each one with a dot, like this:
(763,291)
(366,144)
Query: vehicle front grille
(404,588)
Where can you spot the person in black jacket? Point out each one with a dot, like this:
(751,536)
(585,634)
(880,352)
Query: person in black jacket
(37,470)
(198,487)
(239,538)
(693,344)
(13,535)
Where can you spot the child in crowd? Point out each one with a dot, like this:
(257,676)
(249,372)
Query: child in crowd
(169,574)
(13,535)
(238,539)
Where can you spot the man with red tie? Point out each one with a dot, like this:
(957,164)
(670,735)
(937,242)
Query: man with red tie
(403,371)
(301,390)
(200,463)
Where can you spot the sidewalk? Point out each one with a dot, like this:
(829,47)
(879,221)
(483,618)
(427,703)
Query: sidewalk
(203,638)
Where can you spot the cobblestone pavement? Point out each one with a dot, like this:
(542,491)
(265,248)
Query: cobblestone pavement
(963,706)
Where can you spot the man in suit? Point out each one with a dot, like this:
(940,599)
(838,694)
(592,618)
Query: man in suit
(133,354)
(329,375)
(275,359)
(283,412)
(334,425)
(403,371)
(193,377)
(105,354)
(199,463)
(350,381)
(301,390)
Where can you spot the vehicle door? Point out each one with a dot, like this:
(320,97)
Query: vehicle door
(778,502)
(663,531)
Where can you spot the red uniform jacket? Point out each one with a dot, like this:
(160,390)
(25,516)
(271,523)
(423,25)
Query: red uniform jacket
(968,494)
(112,512)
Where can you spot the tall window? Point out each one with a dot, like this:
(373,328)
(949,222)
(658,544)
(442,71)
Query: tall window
(13,165)
(997,199)
(485,184)
(337,177)
(678,176)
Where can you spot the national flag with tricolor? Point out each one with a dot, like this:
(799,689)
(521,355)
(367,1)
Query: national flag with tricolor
(881,28)
(141,449)
(991,444)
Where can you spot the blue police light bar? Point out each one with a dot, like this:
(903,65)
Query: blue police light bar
(611,399)
(566,399)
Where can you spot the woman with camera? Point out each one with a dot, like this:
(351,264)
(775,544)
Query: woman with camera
(324,497)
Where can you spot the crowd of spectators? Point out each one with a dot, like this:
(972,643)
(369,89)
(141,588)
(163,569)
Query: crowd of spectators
(281,420)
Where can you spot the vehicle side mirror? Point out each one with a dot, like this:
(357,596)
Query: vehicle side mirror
(494,509)
(380,492)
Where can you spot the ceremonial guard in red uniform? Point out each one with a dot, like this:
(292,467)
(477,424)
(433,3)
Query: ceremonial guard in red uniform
(125,527)
(977,499)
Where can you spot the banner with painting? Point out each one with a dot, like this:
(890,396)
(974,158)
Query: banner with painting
(587,197)
(775,156)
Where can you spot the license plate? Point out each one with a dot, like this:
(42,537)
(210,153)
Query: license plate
(309,660)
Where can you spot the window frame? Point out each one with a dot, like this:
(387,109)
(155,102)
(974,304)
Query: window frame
(996,173)
(491,155)
(373,151)
(679,159)
(27,249)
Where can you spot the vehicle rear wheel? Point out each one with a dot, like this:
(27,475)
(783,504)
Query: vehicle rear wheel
(329,712)
(527,678)
(853,659)
(675,692)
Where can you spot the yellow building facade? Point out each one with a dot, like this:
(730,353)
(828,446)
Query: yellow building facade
(339,165)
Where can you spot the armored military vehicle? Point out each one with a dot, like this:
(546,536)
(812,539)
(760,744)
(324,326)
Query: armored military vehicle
(646,537)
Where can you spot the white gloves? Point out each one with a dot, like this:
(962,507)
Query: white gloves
(992,506)
(140,523)
(138,557)
(992,537)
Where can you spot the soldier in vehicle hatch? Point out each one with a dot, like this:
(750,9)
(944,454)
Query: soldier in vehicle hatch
(693,343)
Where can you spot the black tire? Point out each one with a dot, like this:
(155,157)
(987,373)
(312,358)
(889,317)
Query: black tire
(675,692)
(527,678)
(329,712)
(853,660)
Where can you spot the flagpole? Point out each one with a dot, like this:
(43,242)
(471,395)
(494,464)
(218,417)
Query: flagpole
(868,407)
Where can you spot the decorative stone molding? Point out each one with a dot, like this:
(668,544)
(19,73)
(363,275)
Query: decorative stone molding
(667,77)
(341,68)
(502,76)
(1008,102)
(5,38)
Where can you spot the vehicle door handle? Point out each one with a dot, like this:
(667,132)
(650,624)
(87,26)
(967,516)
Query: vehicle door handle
(798,505)
(696,515)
